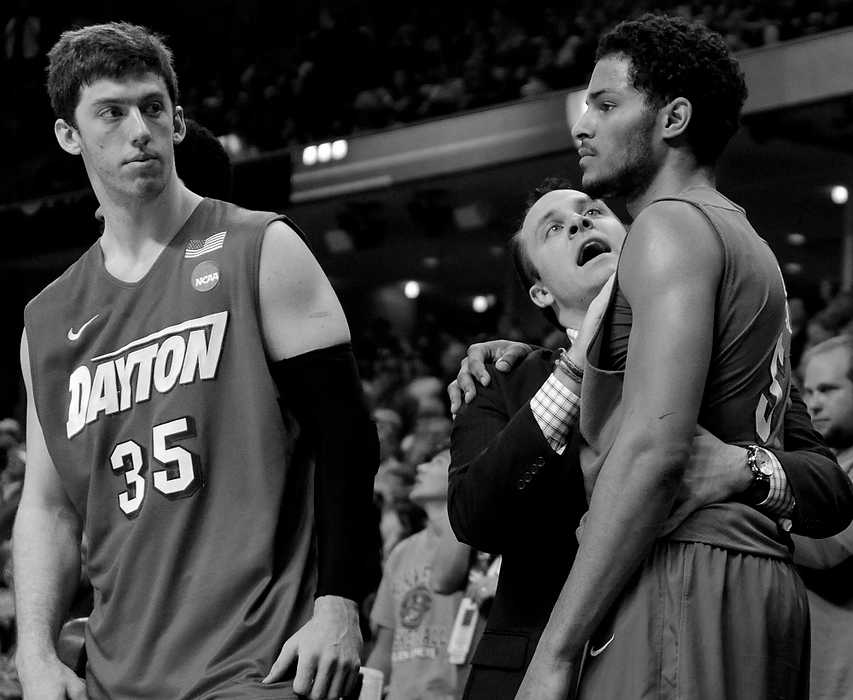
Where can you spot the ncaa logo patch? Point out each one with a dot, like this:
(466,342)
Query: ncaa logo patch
(205,276)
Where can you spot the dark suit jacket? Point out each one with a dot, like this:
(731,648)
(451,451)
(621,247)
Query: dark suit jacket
(509,493)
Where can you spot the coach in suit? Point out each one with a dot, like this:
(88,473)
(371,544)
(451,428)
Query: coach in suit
(511,492)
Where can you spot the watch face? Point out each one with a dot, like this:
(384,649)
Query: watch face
(763,463)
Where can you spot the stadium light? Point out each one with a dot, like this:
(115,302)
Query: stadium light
(309,155)
(480,304)
(839,194)
(339,149)
(412,289)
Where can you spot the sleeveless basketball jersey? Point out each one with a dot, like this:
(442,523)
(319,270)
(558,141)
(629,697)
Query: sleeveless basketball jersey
(746,391)
(196,493)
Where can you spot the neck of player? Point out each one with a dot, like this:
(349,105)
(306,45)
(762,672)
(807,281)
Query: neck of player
(678,172)
(136,231)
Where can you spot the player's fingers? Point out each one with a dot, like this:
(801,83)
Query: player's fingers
(511,356)
(286,657)
(327,667)
(306,668)
(455,394)
(341,683)
(353,684)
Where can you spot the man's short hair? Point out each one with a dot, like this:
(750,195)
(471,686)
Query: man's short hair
(525,270)
(671,57)
(114,50)
(844,341)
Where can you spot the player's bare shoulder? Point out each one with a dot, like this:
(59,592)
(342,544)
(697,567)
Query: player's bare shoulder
(299,309)
(673,232)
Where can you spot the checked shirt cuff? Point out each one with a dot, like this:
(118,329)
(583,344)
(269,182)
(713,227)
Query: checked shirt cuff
(555,409)
(780,502)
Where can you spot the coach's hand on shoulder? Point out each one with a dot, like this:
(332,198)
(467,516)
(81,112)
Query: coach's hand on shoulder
(504,353)
(49,679)
(327,651)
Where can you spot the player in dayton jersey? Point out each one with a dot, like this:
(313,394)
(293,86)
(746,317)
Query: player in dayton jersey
(194,408)
(696,330)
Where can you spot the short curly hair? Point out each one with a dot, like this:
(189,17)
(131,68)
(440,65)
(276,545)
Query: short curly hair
(671,57)
(112,50)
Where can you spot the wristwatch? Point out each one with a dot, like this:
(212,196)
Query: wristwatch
(761,468)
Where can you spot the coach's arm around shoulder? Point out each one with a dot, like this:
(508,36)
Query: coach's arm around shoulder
(46,552)
(311,361)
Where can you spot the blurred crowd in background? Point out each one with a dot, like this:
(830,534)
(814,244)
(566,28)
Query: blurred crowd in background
(271,77)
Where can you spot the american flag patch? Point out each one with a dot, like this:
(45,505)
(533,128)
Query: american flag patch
(196,248)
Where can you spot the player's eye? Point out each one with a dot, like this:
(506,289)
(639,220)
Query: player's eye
(593,211)
(110,113)
(553,228)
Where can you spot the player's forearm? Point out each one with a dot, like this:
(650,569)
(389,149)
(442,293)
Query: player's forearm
(46,554)
(631,500)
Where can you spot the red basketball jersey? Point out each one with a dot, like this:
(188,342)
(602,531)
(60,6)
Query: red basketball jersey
(166,429)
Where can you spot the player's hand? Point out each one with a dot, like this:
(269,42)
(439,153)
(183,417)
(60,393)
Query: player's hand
(549,678)
(327,651)
(49,679)
(504,353)
(715,473)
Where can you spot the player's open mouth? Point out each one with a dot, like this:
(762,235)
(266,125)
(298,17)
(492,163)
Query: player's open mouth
(592,249)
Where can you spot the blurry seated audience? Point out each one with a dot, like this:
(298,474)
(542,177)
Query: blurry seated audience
(826,565)
(835,318)
(413,622)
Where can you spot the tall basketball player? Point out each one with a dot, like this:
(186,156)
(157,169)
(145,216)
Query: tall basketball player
(696,329)
(194,408)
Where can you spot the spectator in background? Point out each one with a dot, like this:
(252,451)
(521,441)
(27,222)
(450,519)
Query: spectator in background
(413,621)
(826,565)
(835,318)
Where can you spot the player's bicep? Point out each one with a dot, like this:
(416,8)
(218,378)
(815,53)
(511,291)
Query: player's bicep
(42,486)
(669,274)
(300,311)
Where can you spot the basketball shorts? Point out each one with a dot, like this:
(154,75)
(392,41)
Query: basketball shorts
(700,622)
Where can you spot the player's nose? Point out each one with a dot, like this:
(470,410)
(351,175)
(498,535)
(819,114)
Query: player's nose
(582,128)
(138,128)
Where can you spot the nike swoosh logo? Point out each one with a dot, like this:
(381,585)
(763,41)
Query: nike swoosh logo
(73,335)
(596,652)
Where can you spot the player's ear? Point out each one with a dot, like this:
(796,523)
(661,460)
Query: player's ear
(540,295)
(676,117)
(67,136)
(180,125)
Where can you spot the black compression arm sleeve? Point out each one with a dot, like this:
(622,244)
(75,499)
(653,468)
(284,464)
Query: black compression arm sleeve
(323,390)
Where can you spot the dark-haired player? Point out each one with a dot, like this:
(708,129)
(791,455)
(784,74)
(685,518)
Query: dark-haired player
(696,330)
(193,405)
